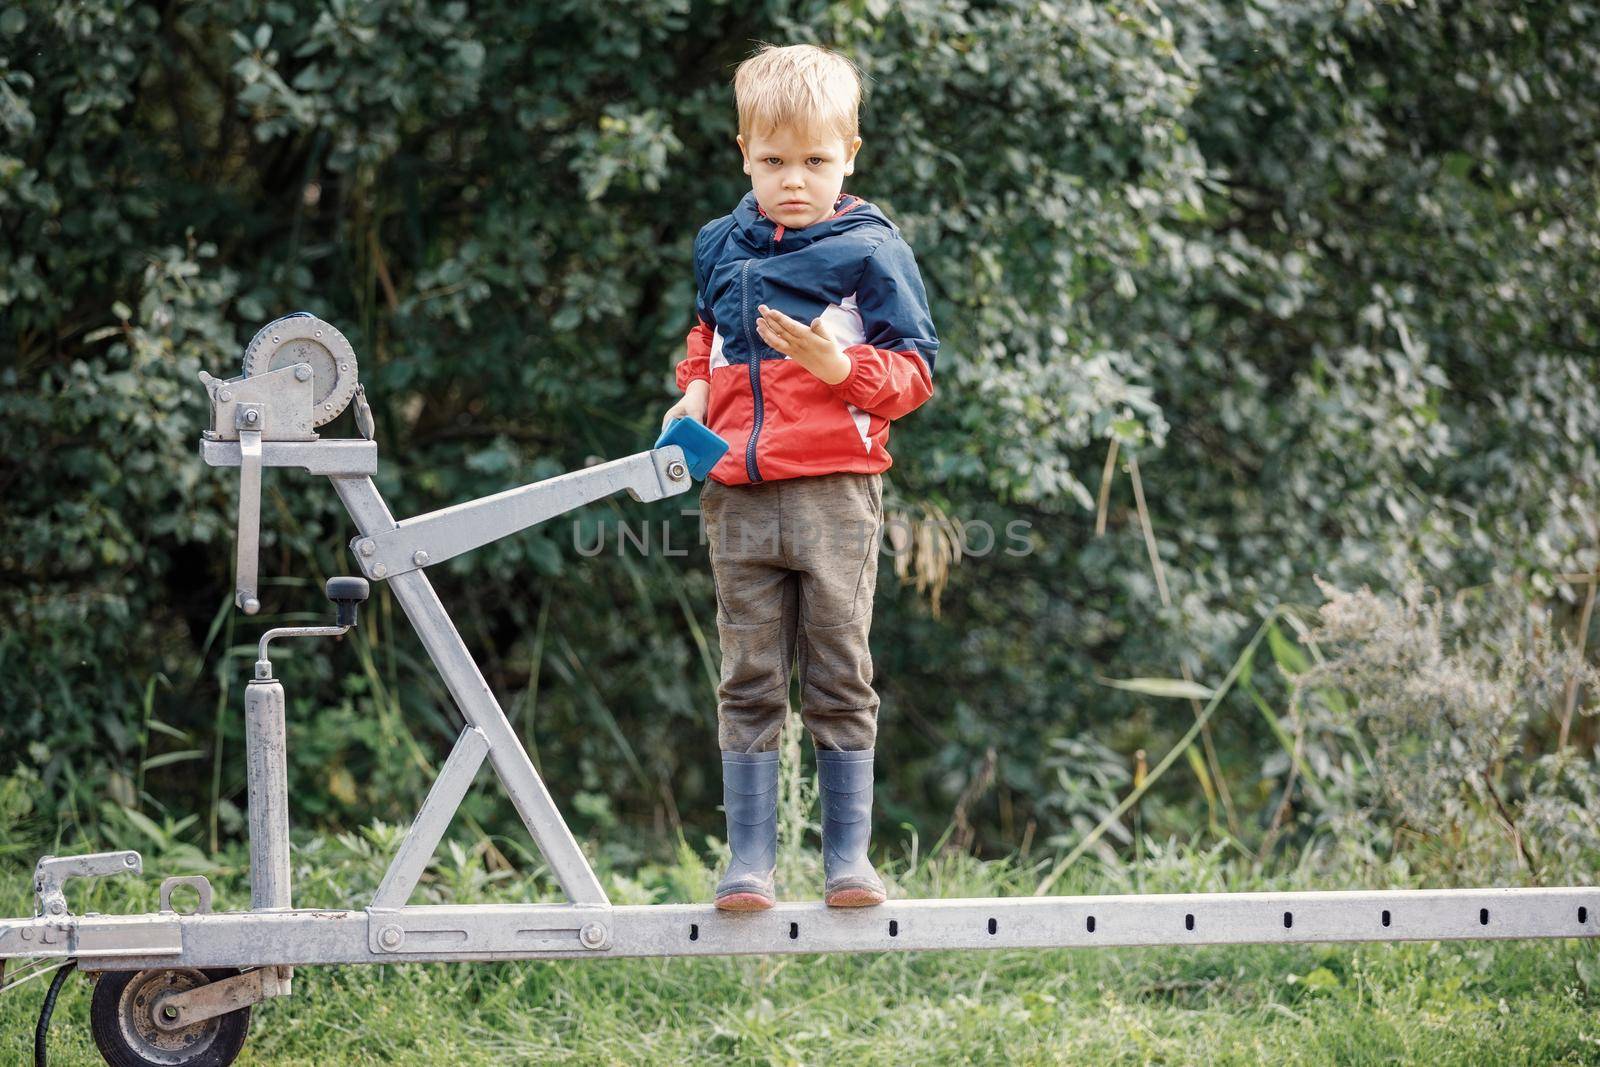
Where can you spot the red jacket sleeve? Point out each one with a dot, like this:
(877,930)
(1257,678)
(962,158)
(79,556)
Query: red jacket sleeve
(697,364)
(891,372)
(885,382)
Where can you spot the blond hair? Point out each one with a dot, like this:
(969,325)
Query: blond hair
(799,86)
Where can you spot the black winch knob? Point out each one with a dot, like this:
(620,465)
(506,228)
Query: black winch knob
(347,594)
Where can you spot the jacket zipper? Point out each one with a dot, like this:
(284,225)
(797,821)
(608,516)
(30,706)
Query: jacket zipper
(750,467)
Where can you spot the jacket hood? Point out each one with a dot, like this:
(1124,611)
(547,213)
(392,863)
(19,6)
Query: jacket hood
(850,212)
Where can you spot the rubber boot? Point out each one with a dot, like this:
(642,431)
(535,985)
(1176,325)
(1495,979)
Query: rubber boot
(750,796)
(845,779)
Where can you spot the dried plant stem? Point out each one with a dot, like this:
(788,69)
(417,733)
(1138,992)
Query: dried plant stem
(1577,658)
(1166,761)
(966,834)
(1510,825)
(1206,743)
(1106,474)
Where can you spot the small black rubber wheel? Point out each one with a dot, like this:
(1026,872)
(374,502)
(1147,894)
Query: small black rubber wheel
(126,1032)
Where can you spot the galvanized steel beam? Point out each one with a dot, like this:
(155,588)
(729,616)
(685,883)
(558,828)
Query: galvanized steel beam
(560,931)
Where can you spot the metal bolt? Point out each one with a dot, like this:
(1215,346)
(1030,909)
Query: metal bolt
(131,860)
(302,373)
(57,908)
(317,333)
(593,935)
(420,558)
(169,1013)
(379,571)
(328,406)
(367,547)
(390,937)
(275,340)
(344,366)
(252,416)
(224,395)
(676,471)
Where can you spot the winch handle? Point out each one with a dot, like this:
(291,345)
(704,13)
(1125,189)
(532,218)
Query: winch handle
(249,536)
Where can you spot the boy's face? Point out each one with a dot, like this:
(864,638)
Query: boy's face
(797,174)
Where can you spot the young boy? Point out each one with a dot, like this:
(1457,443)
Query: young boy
(813,335)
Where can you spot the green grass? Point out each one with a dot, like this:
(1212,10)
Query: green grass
(1460,1003)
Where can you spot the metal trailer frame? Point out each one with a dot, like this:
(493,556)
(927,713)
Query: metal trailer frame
(273,937)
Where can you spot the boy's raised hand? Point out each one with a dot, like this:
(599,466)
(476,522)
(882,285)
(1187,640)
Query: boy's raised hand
(813,347)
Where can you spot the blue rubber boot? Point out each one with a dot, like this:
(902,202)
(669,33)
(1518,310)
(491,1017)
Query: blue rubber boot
(750,797)
(845,779)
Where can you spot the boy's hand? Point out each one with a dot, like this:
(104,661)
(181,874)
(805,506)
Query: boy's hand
(812,347)
(693,404)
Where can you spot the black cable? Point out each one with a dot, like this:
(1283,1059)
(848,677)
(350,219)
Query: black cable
(41,1034)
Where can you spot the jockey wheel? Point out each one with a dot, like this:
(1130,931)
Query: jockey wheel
(122,1018)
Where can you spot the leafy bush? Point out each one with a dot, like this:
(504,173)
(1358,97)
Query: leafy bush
(1445,705)
(1325,270)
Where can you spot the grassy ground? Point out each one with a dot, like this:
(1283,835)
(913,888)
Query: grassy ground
(1461,1003)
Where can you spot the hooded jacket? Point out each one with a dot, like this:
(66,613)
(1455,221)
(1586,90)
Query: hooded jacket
(780,420)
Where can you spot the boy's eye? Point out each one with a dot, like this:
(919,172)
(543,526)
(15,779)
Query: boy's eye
(815,161)
(774,160)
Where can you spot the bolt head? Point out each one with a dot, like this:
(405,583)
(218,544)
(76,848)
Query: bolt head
(420,558)
(390,937)
(131,860)
(252,416)
(302,373)
(367,547)
(676,471)
(593,935)
(379,571)
(224,395)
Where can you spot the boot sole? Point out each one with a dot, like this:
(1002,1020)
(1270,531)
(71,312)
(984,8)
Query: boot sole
(854,898)
(744,902)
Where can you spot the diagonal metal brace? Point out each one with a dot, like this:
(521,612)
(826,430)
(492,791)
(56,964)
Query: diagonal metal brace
(440,535)
(449,789)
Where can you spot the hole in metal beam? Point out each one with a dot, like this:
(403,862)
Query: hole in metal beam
(993,926)
(1386,918)
(1583,915)
(1188,922)
(794,931)
(1483,916)
(894,927)
(1090,924)
(1288,920)
(694,931)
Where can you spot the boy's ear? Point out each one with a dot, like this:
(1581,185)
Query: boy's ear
(743,151)
(850,156)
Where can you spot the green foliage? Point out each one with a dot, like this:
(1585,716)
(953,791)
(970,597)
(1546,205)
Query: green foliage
(1326,270)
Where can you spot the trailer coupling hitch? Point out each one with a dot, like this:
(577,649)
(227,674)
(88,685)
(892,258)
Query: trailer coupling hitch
(51,874)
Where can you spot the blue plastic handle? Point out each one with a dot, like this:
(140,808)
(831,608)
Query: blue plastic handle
(701,447)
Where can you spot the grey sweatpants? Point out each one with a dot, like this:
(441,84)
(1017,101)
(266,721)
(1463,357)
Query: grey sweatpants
(795,563)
